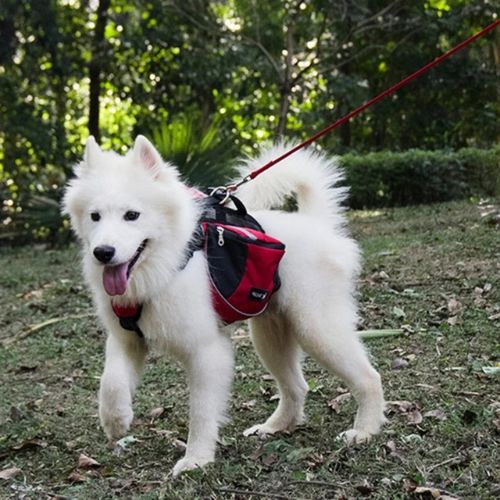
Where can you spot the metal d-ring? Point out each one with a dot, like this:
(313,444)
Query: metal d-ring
(231,188)
(224,190)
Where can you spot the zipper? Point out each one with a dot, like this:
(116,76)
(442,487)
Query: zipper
(220,241)
(235,234)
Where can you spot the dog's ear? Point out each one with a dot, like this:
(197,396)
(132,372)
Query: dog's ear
(92,152)
(146,155)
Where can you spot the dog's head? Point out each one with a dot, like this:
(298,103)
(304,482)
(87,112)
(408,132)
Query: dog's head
(123,208)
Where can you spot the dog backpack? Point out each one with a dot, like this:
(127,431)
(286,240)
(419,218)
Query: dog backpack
(242,260)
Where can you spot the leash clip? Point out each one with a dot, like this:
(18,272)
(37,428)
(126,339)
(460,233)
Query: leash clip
(225,192)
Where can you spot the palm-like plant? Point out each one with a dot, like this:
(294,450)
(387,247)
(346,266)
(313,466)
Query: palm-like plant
(203,154)
(39,220)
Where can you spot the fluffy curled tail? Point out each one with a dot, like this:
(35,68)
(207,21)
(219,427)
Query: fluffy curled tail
(308,175)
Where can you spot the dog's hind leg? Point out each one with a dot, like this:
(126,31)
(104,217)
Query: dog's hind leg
(329,337)
(210,370)
(281,355)
(125,356)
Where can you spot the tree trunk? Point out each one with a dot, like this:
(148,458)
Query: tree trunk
(285,88)
(495,53)
(58,82)
(95,67)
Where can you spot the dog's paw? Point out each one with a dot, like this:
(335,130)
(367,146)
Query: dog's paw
(190,463)
(115,422)
(354,436)
(262,431)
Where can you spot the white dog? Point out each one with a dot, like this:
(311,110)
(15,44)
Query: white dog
(135,218)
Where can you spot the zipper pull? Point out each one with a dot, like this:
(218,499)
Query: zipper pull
(220,241)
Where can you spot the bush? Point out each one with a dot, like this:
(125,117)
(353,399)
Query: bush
(416,176)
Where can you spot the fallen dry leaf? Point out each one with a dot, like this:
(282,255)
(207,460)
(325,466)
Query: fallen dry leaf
(392,448)
(454,306)
(403,406)
(9,473)
(157,412)
(430,388)
(85,462)
(414,417)
(411,410)
(30,444)
(433,492)
(399,363)
(334,404)
(437,414)
(71,445)
(257,453)
(249,404)
(315,459)
(180,445)
(76,477)
(409,485)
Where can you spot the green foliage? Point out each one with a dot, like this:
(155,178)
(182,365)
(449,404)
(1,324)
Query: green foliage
(265,69)
(416,176)
(202,154)
(41,220)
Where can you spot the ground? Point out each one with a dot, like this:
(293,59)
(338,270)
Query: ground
(433,271)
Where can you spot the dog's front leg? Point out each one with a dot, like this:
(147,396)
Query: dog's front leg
(209,369)
(125,355)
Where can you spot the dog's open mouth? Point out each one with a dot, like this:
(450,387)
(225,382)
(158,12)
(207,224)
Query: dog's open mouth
(115,278)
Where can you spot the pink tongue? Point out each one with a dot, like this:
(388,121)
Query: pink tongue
(114,279)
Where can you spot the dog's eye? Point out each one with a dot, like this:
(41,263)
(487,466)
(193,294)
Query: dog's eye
(95,216)
(131,215)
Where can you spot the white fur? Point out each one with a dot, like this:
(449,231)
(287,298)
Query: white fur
(314,311)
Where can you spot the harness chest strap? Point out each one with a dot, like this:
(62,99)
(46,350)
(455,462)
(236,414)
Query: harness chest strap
(129,317)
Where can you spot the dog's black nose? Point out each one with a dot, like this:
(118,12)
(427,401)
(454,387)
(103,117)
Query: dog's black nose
(104,253)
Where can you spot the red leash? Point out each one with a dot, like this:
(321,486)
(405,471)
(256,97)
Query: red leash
(367,104)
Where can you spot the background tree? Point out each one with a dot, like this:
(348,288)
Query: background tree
(96,63)
(258,70)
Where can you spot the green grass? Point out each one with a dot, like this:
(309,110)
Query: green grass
(424,268)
